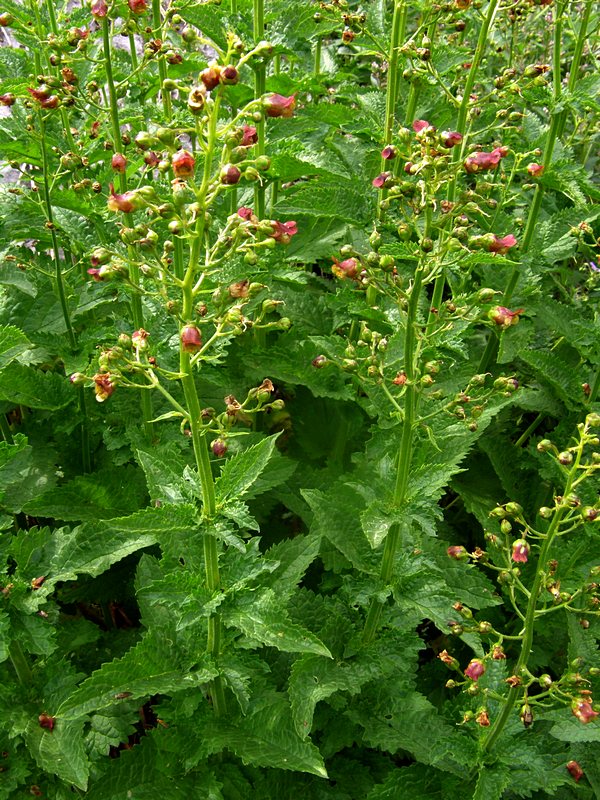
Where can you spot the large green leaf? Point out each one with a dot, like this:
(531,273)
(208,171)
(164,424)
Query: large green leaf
(242,470)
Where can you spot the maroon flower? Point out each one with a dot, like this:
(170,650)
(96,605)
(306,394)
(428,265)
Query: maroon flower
(218,447)
(575,770)
(230,174)
(229,75)
(119,162)
(535,170)
(46,721)
(210,77)
(137,6)
(502,245)
(520,551)
(276,105)
(103,386)
(481,161)
(99,9)
(389,152)
(96,274)
(420,125)
(451,138)
(381,180)
(457,552)
(475,669)
(319,362)
(583,710)
(283,231)
(504,316)
(126,202)
(249,136)
(191,339)
(348,268)
(183,163)
(245,213)
(7,99)
(39,94)
(151,159)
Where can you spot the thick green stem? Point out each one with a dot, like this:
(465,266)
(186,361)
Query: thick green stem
(318,48)
(162,67)
(20,663)
(134,273)
(260,77)
(528,625)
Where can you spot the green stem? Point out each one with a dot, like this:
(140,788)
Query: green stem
(5,429)
(436,301)
(133,52)
(318,48)
(528,626)
(19,662)
(260,77)
(134,272)
(529,430)
(162,67)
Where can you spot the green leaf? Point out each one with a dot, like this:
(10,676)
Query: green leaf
(13,342)
(262,618)
(242,470)
(60,751)
(28,387)
(164,474)
(294,556)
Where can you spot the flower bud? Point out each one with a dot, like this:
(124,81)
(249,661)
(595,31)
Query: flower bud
(119,162)
(211,76)
(520,551)
(196,100)
(230,174)
(183,164)
(229,75)
(575,771)
(7,99)
(218,447)
(191,339)
(475,669)
(565,458)
(457,552)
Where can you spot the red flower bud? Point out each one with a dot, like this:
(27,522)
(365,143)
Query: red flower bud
(520,551)
(137,6)
(40,94)
(583,710)
(183,164)
(389,152)
(382,180)
(420,125)
(46,721)
(319,362)
(103,386)
(151,158)
(249,136)
(575,770)
(348,268)
(99,9)
(191,340)
(276,105)
(478,162)
(211,76)
(230,174)
(218,447)
(229,75)
(119,162)
(505,317)
(502,245)
(475,669)
(457,552)
(451,138)
(7,99)
(535,170)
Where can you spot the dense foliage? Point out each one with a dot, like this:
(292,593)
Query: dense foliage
(299,376)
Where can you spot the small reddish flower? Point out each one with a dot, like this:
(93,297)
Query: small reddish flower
(504,316)
(583,710)
(46,721)
(349,268)
(210,77)
(482,718)
(319,362)
(151,159)
(481,161)
(50,102)
(520,551)
(119,162)
(498,653)
(7,99)
(137,6)
(249,136)
(245,213)
(448,660)
(126,202)
(420,125)
(535,170)
(283,231)
(77,34)
(475,669)
(457,552)
(103,386)
(191,339)
(183,163)
(389,152)
(96,274)
(218,447)
(400,380)
(230,174)
(229,75)
(502,245)
(276,105)
(139,339)
(381,180)
(575,770)
(39,94)
(451,138)
(99,9)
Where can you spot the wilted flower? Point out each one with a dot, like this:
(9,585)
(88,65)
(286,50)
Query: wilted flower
(575,770)
(451,138)
(276,105)
(520,551)
(498,653)
(138,339)
(502,245)
(99,9)
(191,339)
(535,170)
(583,710)
(448,660)
(475,669)
(481,161)
(482,718)
(118,162)
(249,136)
(504,316)
(346,269)
(137,6)
(103,386)
(183,164)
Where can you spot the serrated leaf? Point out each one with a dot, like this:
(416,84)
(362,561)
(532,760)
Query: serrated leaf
(164,475)
(242,470)
(61,751)
(262,618)
(294,556)
(13,342)
(28,387)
